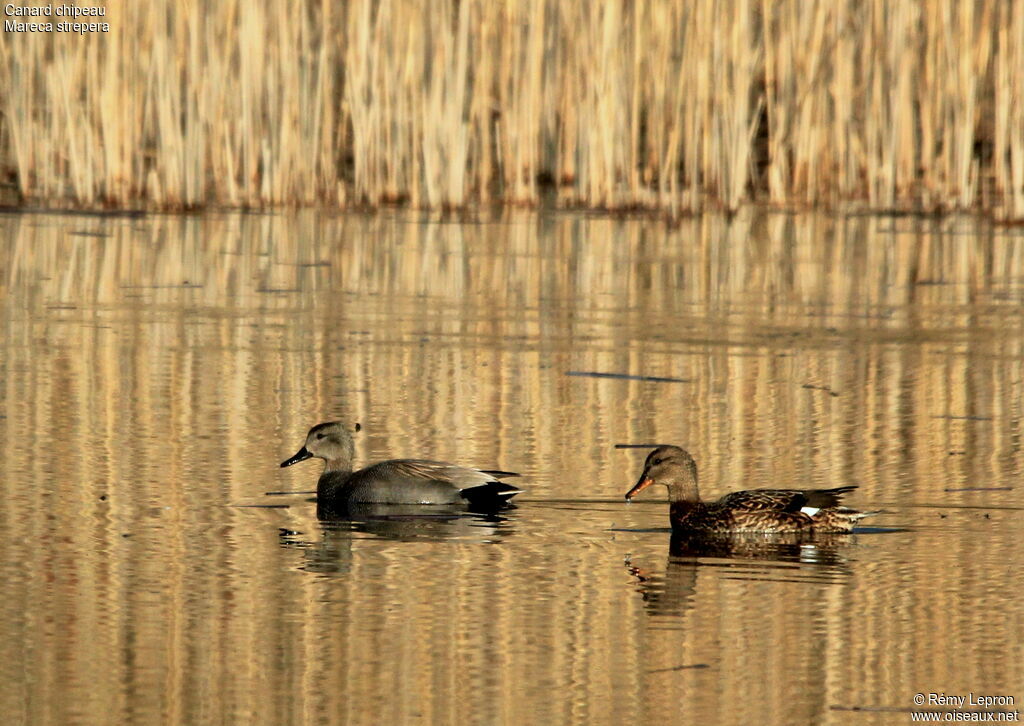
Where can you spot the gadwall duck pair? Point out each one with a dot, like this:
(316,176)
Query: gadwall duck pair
(397,481)
(419,481)
(753,510)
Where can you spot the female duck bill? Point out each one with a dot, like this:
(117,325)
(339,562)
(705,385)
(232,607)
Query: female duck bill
(644,482)
(300,455)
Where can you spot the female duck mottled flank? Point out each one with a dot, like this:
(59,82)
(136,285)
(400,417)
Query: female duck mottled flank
(754,510)
(397,481)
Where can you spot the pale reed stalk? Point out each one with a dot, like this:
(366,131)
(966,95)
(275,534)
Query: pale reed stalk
(1008,141)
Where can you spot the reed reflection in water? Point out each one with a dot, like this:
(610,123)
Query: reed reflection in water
(157,369)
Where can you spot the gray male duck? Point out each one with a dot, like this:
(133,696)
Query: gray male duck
(396,481)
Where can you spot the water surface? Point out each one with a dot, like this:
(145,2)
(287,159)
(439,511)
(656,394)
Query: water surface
(157,370)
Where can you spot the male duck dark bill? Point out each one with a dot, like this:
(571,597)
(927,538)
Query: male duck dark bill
(397,481)
(754,510)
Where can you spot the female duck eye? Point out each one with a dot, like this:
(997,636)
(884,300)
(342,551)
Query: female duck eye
(656,461)
(319,436)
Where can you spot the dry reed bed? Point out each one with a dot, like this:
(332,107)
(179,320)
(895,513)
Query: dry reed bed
(676,106)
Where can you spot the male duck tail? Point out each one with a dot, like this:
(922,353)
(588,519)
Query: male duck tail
(492,495)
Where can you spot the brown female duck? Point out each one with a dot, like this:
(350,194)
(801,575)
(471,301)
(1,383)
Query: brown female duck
(396,481)
(754,510)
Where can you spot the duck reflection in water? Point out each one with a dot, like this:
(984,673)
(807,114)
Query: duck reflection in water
(411,522)
(754,556)
(339,534)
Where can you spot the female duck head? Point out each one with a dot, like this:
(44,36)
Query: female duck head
(329,441)
(672,467)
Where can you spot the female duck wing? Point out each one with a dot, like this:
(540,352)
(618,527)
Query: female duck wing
(759,500)
(783,500)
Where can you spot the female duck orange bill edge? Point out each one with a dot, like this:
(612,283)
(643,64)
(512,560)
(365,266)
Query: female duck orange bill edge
(753,510)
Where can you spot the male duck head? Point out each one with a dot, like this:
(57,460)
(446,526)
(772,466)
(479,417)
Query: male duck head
(329,441)
(672,467)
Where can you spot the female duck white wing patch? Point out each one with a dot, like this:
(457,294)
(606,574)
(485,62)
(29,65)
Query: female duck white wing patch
(810,511)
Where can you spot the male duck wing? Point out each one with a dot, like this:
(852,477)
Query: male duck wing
(403,481)
(460,477)
(420,481)
(498,474)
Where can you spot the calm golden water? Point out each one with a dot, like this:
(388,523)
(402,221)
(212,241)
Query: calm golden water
(156,370)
